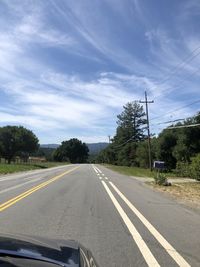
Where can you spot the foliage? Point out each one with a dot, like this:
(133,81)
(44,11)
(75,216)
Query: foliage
(179,145)
(183,169)
(129,132)
(72,150)
(46,152)
(160,179)
(180,151)
(166,142)
(142,153)
(129,147)
(195,168)
(127,155)
(129,123)
(17,141)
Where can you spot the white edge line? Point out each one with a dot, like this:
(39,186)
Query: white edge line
(19,185)
(146,253)
(166,245)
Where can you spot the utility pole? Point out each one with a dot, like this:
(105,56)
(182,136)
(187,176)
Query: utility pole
(148,128)
(109,139)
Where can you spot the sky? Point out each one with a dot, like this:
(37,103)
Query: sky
(67,67)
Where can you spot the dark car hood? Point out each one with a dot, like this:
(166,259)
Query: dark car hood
(67,252)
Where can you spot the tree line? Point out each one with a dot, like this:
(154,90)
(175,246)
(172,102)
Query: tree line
(19,142)
(177,147)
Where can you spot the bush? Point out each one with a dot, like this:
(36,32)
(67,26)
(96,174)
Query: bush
(195,168)
(183,169)
(161,179)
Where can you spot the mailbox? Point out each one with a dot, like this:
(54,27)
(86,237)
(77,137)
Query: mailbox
(160,165)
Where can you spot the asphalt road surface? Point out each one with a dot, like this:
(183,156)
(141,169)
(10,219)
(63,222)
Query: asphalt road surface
(122,221)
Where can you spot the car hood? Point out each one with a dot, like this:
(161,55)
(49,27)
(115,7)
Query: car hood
(68,253)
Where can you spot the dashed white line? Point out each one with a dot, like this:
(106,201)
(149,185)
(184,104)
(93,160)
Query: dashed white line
(95,170)
(106,178)
(148,256)
(170,250)
(98,169)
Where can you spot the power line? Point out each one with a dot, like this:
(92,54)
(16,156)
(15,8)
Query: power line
(130,139)
(180,84)
(187,59)
(183,126)
(174,110)
(166,122)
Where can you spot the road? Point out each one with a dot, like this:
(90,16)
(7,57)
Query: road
(122,221)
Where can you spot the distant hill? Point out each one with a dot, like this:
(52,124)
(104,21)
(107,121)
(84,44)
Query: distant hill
(49,146)
(94,148)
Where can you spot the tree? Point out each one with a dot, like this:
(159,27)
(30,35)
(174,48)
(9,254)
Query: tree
(28,143)
(130,122)
(142,153)
(181,150)
(167,140)
(195,167)
(72,150)
(192,135)
(180,144)
(46,152)
(17,141)
(129,132)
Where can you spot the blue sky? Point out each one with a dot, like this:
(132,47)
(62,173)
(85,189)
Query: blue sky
(67,67)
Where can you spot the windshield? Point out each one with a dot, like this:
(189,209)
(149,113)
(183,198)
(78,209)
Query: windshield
(100,131)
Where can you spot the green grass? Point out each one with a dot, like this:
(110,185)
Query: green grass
(140,172)
(131,171)
(11,168)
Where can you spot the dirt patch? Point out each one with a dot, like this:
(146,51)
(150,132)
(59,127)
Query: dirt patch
(187,193)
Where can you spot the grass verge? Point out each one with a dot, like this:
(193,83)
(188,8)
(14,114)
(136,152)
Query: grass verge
(131,171)
(11,168)
(139,172)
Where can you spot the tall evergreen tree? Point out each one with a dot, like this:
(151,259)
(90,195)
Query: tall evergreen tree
(130,123)
(130,131)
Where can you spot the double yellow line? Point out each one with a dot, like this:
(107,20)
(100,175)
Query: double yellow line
(12,201)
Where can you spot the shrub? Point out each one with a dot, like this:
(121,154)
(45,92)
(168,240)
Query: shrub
(160,179)
(195,168)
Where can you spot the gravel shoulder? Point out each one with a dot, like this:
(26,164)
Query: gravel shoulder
(185,190)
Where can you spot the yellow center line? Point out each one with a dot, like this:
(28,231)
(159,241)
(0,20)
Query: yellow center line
(12,201)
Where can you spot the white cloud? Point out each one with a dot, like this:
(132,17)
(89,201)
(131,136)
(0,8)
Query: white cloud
(33,30)
(77,104)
